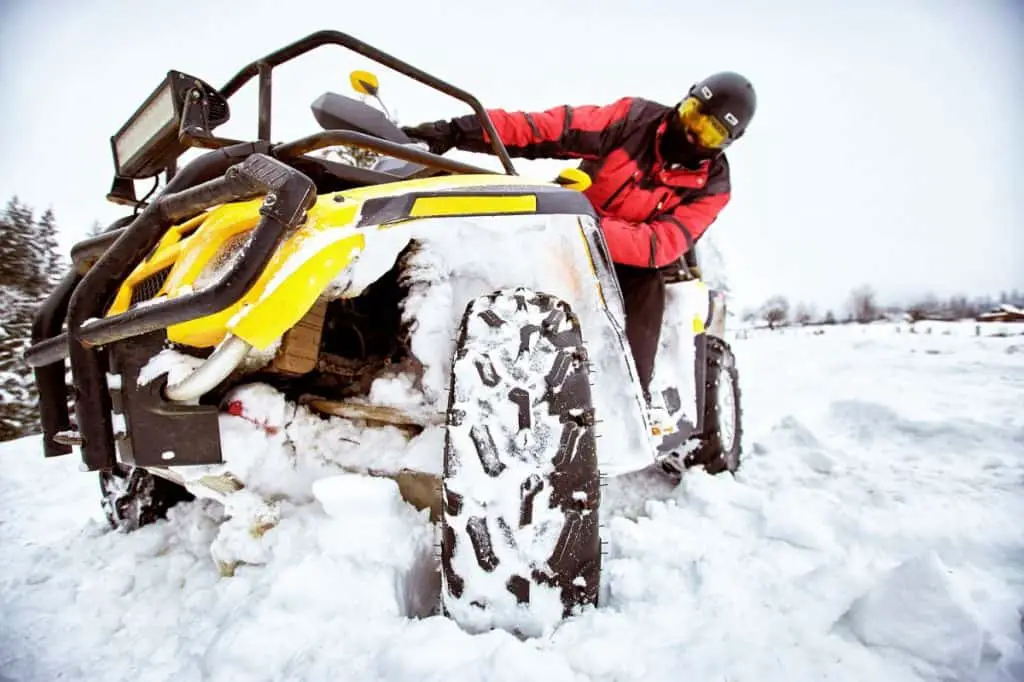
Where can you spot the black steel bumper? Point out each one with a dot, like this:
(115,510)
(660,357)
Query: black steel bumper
(244,172)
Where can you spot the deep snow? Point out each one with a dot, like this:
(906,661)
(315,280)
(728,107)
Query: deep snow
(874,533)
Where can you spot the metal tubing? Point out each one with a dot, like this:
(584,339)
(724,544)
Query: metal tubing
(50,377)
(190,202)
(88,251)
(208,375)
(330,138)
(289,195)
(320,38)
(47,351)
(266,100)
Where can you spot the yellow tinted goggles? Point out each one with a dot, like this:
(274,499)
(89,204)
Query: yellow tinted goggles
(708,130)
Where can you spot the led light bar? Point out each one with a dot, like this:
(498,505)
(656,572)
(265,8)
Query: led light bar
(148,142)
(150,129)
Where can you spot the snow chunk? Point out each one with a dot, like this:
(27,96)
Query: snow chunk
(395,391)
(918,609)
(357,496)
(242,538)
(794,524)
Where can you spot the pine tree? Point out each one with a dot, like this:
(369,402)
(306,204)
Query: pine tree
(46,235)
(29,268)
(15,263)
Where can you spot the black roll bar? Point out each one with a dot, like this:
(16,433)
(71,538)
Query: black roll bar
(263,68)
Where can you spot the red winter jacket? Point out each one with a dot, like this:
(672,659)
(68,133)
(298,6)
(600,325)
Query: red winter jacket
(650,214)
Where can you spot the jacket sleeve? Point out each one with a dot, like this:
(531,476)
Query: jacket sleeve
(666,237)
(563,132)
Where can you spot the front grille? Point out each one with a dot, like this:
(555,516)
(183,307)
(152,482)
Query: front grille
(148,288)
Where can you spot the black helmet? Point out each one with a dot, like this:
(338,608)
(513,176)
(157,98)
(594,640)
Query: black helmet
(730,98)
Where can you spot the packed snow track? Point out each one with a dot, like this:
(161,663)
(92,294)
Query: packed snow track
(875,531)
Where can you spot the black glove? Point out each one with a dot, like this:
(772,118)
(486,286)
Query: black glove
(440,136)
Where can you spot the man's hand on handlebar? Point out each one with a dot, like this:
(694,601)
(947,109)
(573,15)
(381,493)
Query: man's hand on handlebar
(440,136)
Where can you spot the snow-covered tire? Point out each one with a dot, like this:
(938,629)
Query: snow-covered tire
(132,497)
(521,547)
(721,443)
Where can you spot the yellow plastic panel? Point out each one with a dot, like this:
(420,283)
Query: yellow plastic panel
(295,294)
(232,220)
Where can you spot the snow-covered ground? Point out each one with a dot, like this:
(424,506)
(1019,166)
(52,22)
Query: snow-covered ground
(875,532)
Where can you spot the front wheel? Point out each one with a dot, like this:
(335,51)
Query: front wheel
(521,547)
(720,444)
(132,497)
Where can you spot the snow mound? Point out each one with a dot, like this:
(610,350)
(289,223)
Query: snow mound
(873,532)
(877,424)
(917,608)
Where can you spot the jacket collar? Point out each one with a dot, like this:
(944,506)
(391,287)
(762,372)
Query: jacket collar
(677,176)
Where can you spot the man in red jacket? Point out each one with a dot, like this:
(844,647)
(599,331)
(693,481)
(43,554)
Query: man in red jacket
(660,178)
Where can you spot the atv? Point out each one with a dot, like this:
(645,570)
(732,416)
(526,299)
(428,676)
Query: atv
(266,268)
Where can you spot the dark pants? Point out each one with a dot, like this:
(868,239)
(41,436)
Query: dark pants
(644,292)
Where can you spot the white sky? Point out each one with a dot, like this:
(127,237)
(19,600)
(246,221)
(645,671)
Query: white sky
(887,146)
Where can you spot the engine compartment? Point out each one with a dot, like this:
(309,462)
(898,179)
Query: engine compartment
(342,345)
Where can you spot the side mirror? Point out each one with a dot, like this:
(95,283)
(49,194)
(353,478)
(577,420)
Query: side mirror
(364,82)
(574,178)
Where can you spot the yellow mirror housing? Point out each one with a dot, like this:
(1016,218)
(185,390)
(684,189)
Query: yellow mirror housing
(364,82)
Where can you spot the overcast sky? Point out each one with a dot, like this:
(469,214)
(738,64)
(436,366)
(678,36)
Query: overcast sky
(887,147)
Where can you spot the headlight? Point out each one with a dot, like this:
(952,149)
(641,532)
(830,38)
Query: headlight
(148,142)
(151,128)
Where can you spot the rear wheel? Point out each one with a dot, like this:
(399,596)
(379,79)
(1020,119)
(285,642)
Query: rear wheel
(721,444)
(521,546)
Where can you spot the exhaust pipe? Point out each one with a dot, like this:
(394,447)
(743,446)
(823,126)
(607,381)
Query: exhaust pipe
(215,369)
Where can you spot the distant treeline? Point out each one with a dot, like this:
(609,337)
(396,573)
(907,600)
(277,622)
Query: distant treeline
(863,306)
